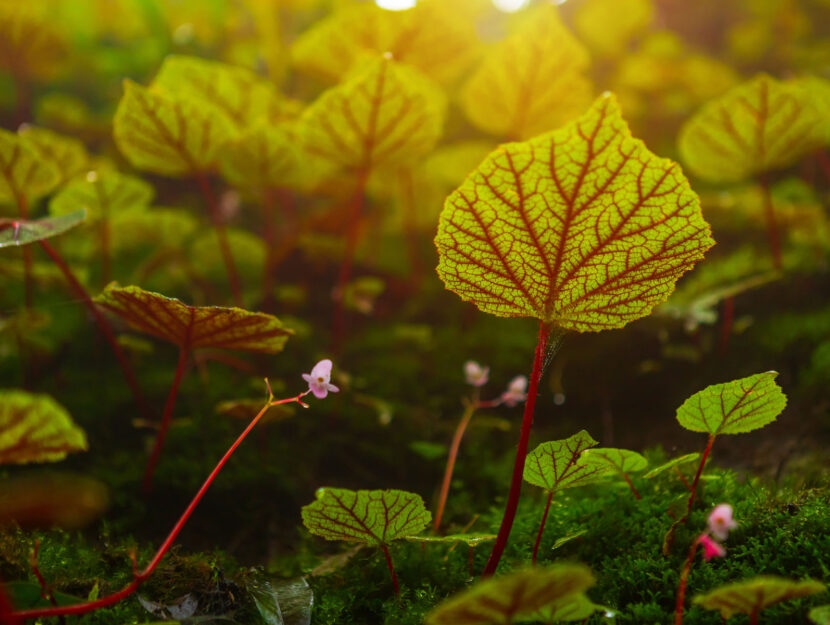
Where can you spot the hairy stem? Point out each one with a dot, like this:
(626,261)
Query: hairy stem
(681,586)
(541,528)
(631,486)
(391,570)
(773,233)
(221,236)
(456,443)
(521,453)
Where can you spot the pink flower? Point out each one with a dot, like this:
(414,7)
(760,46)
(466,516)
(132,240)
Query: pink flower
(475,373)
(711,549)
(721,521)
(319,380)
(516,391)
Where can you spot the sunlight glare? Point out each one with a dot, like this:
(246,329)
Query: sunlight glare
(510,6)
(396,5)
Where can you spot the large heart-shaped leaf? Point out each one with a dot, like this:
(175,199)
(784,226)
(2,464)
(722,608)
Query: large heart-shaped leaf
(760,125)
(194,327)
(556,465)
(754,595)
(582,227)
(17,232)
(67,154)
(166,135)
(373,517)
(513,597)
(102,194)
(35,428)
(622,460)
(734,407)
(385,114)
(532,82)
(24,175)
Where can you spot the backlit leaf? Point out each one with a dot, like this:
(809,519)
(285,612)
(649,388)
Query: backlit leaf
(820,615)
(607,26)
(385,114)
(583,227)
(623,460)
(470,540)
(512,597)
(674,462)
(575,607)
(194,327)
(564,540)
(48,500)
(532,82)
(559,464)
(374,517)
(760,125)
(734,407)
(158,227)
(31,44)
(165,135)
(35,428)
(102,194)
(756,594)
(24,175)
(248,251)
(68,155)
(22,232)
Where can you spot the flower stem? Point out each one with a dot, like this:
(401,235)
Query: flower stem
(521,453)
(542,528)
(391,570)
(221,236)
(631,486)
(681,586)
(448,471)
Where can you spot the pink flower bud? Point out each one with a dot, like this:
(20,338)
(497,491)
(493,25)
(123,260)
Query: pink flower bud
(711,549)
(516,391)
(475,373)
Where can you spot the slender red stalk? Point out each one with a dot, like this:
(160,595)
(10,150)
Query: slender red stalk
(681,586)
(221,236)
(140,577)
(45,592)
(631,486)
(683,478)
(753,617)
(726,323)
(521,453)
(103,326)
(147,483)
(448,471)
(773,234)
(391,570)
(542,528)
(698,474)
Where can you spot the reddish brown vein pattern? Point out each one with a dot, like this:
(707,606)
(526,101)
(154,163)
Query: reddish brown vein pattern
(194,327)
(582,227)
(374,517)
(556,465)
(734,407)
(24,175)
(753,595)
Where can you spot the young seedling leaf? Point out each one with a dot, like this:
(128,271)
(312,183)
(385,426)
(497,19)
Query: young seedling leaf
(16,232)
(372,517)
(674,462)
(622,460)
(563,540)
(760,125)
(582,227)
(385,114)
(556,465)
(512,597)
(165,135)
(194,327)
(754,595)
(734,407)
(24,175)
(102,194)
(820,615)
(532,82)
(35,428)
(575,607)
(68,155)
(471,540)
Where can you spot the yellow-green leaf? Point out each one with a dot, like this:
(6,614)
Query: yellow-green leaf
(575,607)
(35,428)
(734,407)
(385,114)
(820,615)
(756,594)
(534,81)
(194,327)
(17,232)
(24,175)
(471,540)
(248,251)
(623,460)
(758,126)
(165,135)
(608,26)
(374,517)
(32,47)
(160,227)
(582,227)
(512,597)
(68,155)
(102,194)
(674,462)
(557,465)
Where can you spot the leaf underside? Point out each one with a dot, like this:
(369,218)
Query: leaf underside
(756,593)
(26,232)
(583,227)
(556,465)
(622,460)
(734,407)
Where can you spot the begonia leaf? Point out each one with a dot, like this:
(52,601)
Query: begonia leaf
(608,26)
(384,114)
(166,135)
(67,154)
(575,607)
(734,407)
(16,232)
(248,251)
(820,615)
(373,517)
(32,46)
(102,194)
(754,595)
(24,175)
(471,540)
(533,81)
(755,127)
(512,598)
(623,460)
(49,500)
(556,465)
(35,428)
(674,462)
(194,327)
(160,227)
(582,227)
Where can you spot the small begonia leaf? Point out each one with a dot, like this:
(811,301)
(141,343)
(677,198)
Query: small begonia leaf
(166,135)
(67,154)
(556,465)
(194,327)
(514,597)
(23,232)
(102,194)
(623,460)
(608,26)
(575,607)
(385,114)
(35,428)
(32,45)
(756,594)
(734,407)
(757,126)
(820,615)
(564,540)
(674,462)
(582,228)
(532,82)
(24,175)
(372,517)
(161,227)
(470,540)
